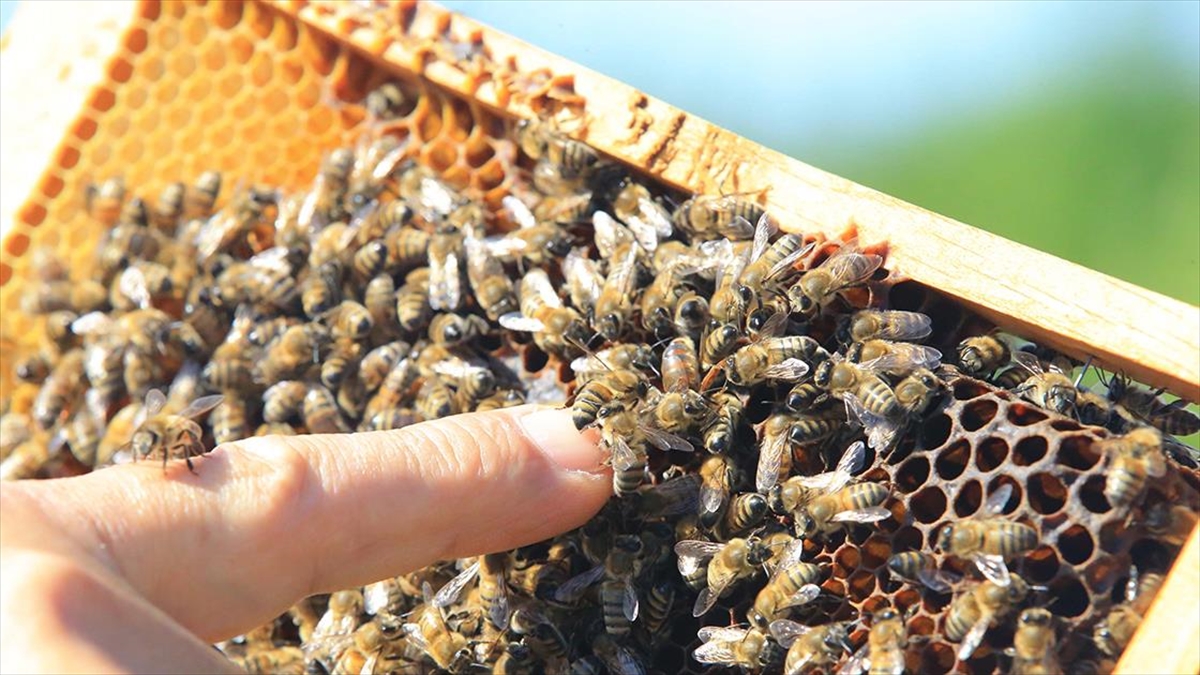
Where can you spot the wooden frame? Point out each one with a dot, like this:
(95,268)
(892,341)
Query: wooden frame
(1126,328)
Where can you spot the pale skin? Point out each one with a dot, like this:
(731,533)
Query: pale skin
(132,570)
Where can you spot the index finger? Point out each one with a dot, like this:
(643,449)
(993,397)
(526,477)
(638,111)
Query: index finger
(270,520)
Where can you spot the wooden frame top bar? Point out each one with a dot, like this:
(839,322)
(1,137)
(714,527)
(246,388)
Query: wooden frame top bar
(1148,336)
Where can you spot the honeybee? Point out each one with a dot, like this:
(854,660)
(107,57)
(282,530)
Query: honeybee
(1113,633)
(613,307)
(819,646)
(893,358)
(617,593)
(627,356)
(728,303)
(987,540)
(883,654)
(198,202)
(539,139)
(769,266)
(282,659)
(913,396)
(617,658)
(792,583)
(876,324)
(50,297)
(745,511)
(863,391)
(473,380)
(727,216)
(321,291)
(493,289)
(819,286)
(745,647)
(291,354)
(557,329)
(646,218)
(857,503)
(375,161)
(719,342)
(84,431)
(980,607)
(673,497)
(169,207)
(981,355)
(103,202)
(1170,524)
(1170,418)
(773,358)
(333,633)
(798,491)
(775,452)
(680,409)
(450,330)
(583,280)
(627,438)
(921,567)
(691,315)
(229,420)
(1133,459)
(385,102)
(615,386)
(139,285)
(493,589)
(15,429)
(1034,643)
(171,433)
(321,414)
(727,564)
(435,400)
(378,362)
(717,476)
(724,421)
(62,386)
(1049,387)
(531,244)
(448,649)
(413,311)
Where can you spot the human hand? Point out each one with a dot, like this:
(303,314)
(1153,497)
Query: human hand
(132,570)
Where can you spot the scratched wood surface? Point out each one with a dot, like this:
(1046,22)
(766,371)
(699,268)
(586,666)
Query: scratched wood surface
(1153,338)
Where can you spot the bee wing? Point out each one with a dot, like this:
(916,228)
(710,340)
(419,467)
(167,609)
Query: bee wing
(656,216)
(852,459)
(936,580)
(692,554)
(623,456)
(915,326)
(848,267)
(1131,586)
(880,430)
(414,634)
(710,499)
(500,612)
(721,633)
(858,663)
(578,270)
(804,595)
(388,163)
(155,400)
(625,662)
(679,494)
(717,651)
(786,631)
(377,596)
(435,197)
(621,275)
(868,515)
(973,638)
(788,370)
(629,603)
(505,246)
(993,568)
(643,232)
(199,406)
(996,501)
(739,228)
(774,326)
(92,323)
(609,234)
(789,261)
(770,459)
(791,555)
(519,322)
(763,230)
(1029,362)
(132,284)
(705,601)
(480,265)
(572,589)
(448,595)
(667,441)
(519,212)
(445,290)
(903,358)
(537,283)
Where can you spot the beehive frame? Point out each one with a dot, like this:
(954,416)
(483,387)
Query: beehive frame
(93,52)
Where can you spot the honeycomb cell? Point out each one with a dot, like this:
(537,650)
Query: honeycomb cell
(936,658)
(51,186)
(1078,452)
(1030,450)
(1149,555)
(968,498)
(130,151)
(1091,495)
(213,57)
(990,453)
(1024,415)
(966,389)
(912,474)
(166,92)
(440,155)
(86,128)
(181,64)
(977,413)
(1046,493)
(226,14)
(875,552)
(1075,545)
(860,585)
(1070,597)
(1064,425)
(952,461)
(230,84)
(928,505)
(848,559)
(261,70)
(241,48)
(16,244)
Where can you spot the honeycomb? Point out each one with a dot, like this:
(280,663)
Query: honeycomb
(249,90)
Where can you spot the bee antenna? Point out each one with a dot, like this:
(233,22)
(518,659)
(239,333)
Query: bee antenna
(1083,372)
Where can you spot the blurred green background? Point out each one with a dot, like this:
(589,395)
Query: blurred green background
(1073,127)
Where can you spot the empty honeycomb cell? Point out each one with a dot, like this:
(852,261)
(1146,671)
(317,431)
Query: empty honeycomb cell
(1024,415)
(260,20)
(6,274)
(195,90)
(1029,450)
(875,551)
(952,461)
(319,51)
(457,176)
(51,186)
(1091,495)
(136,39)
(213,57)
(1070,597)
(102,99)
(230,84)
(928,505)
(120,69)
(440,155)
(85,128)
(227,13)
(977,413)
(307,95)
(16,244)
(1046,493)
(100,153)
(1065,425)
(907,538)
(194,29)
(983,661)
(68,156)
(491,175)
(860,585)
(1149,555)
(1078,452)
(166,92)
(150,68)
(261,70)
(284,35)
(912,474)
(936,658)
(921,625)
(240,48)
(990,453)
(175,116)
(1040,565)
(165,35)
(907,295)
(428,124)
(476,154)
(1075,545)
(847,558)
(181,64)
(968,498)
(130,150)
(319,121)
(935,431)
(966,389)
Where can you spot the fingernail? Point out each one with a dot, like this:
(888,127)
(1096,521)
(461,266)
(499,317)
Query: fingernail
(553,432)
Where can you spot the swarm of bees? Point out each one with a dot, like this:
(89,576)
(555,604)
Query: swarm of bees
(803,480)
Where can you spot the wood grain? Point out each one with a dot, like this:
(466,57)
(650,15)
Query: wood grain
(1168,641)
(1152,338)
